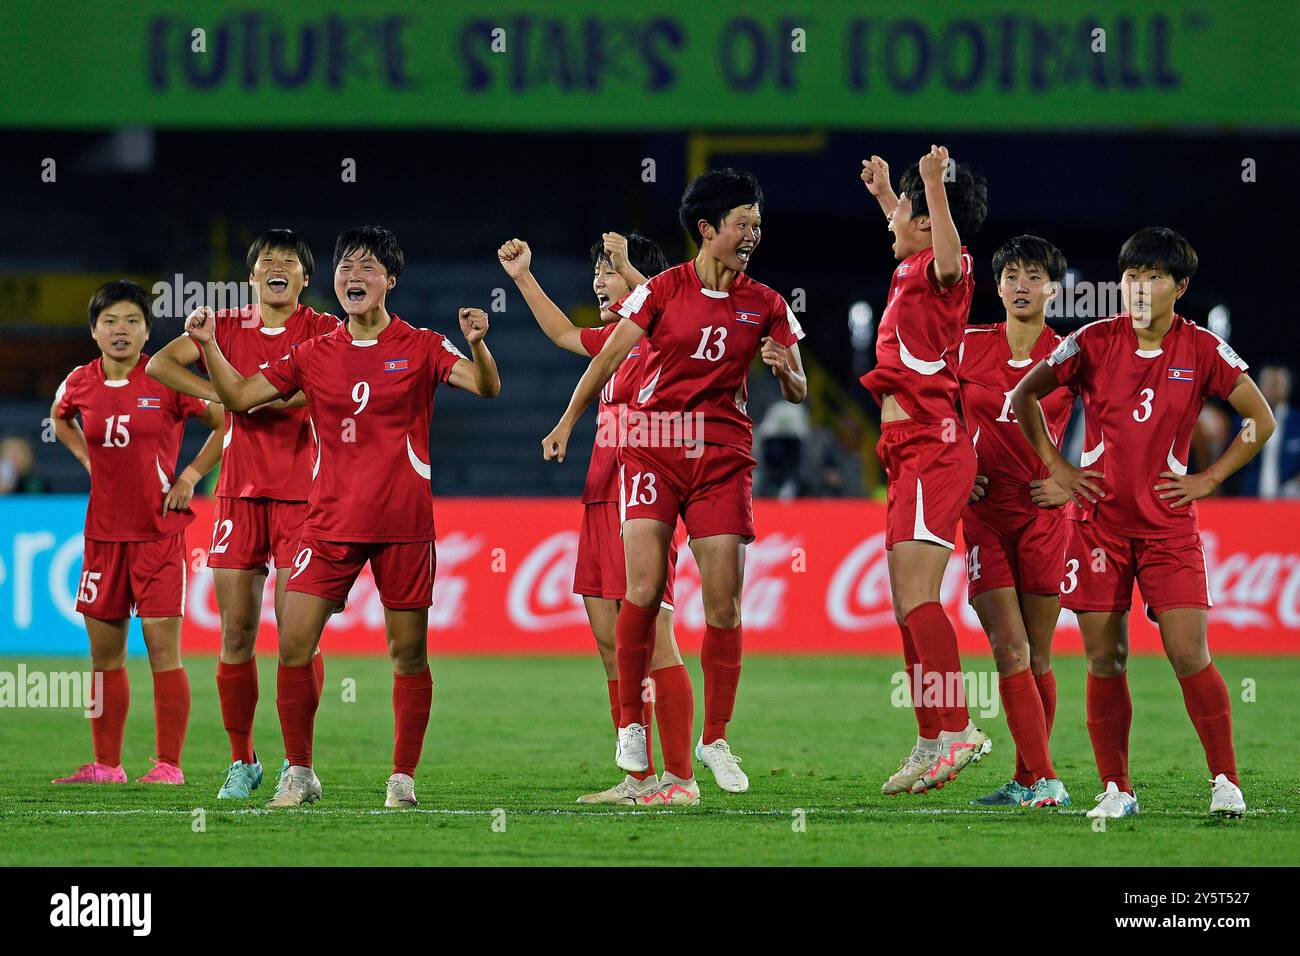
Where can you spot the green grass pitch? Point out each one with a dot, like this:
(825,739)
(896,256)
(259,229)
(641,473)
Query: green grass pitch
(527,735)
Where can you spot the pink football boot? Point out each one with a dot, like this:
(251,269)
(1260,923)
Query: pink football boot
(162,773)
(95,773)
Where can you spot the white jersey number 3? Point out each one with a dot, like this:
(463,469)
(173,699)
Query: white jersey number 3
(1143,411)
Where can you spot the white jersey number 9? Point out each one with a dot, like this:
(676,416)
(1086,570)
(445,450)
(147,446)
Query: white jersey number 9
(361,395)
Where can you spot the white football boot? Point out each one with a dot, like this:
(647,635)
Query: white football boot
(627,792)
(1226,799)
(1115,803)
(725,765)
(673,791)
(912,769)
(401,792)
(296,786)
(630,754)
(957,751)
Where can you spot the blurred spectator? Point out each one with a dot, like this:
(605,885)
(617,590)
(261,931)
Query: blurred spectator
(781,436)
(1275,471)
(835,455)
(18,475)
(1212,434)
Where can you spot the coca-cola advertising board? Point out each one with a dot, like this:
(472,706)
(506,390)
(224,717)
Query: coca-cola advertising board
(815,582)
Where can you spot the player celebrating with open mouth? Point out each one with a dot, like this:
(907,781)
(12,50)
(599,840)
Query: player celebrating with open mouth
(370,389)
(621,264)
(927,453)
(1014,526)
(266,473)
(703,321)
(128,440)
(1145,376)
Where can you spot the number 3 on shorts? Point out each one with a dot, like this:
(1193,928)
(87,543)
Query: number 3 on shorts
(300,562)
(1071,572)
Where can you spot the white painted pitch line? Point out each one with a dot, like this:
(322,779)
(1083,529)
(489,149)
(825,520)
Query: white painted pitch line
(596,814)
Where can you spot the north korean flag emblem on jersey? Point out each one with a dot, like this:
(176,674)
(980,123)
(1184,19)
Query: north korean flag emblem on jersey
(395,365)
(144,402)
(1181,374)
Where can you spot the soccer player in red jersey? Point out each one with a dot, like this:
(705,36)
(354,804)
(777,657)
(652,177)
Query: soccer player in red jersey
(1014,547)
(1145,375)
(689,444)
(926,451)
(621,264)
(267,464)
(128,440)
(370,388)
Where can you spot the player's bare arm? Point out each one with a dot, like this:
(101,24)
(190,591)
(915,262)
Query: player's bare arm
(70,435)
(1258,426)
(171,366)
(1041,381)
(943,231)
(516,258)
(237,393)
(178,497)
(875,176)
(601,368)
(616,250)
(788,369)
(479,376)
(978,490)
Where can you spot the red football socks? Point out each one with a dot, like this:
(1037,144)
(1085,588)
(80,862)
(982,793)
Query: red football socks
(171,713)
(412,698)
(720,659)
(113,700)
(634,641)
(927,718)
(297,699)
(675,712)
(936,646)
(613,701)
(237,690)
(318,671)
(1206,697)
(1046,684)
(1110,713)
(1024,709)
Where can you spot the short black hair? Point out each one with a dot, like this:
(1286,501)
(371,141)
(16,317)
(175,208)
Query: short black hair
(287,240)
(642,252)
(120,290)
(713,194)
(1161,248)
(378,241)
(1029,251)
(968,196)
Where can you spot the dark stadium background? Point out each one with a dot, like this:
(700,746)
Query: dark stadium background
(151,204)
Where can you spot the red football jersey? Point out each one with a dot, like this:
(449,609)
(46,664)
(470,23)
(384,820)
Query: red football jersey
(700,346)
(133,430)
(370,404)
(267,453)
(917,342)
(988,374)
(602,473)
(1140,407)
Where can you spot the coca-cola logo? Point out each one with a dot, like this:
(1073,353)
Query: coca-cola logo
(1253,590)
(858,596)
(541,595)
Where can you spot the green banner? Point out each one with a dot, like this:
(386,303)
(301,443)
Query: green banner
(659,64)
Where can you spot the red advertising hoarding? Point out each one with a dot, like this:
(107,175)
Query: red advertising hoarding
(815,583)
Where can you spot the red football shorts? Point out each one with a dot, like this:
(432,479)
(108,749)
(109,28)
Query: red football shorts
(601,570)
(1017,550)
(930,480)
(1100,567)
(712,491)
(249,532)
(119,578)
(403,570)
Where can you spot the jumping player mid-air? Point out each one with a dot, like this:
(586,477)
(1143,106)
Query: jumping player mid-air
(1145,375)
(704,321)
(1014,526)
(266,474)
(926,451)
(135,555)
(370,388)
(620,264)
